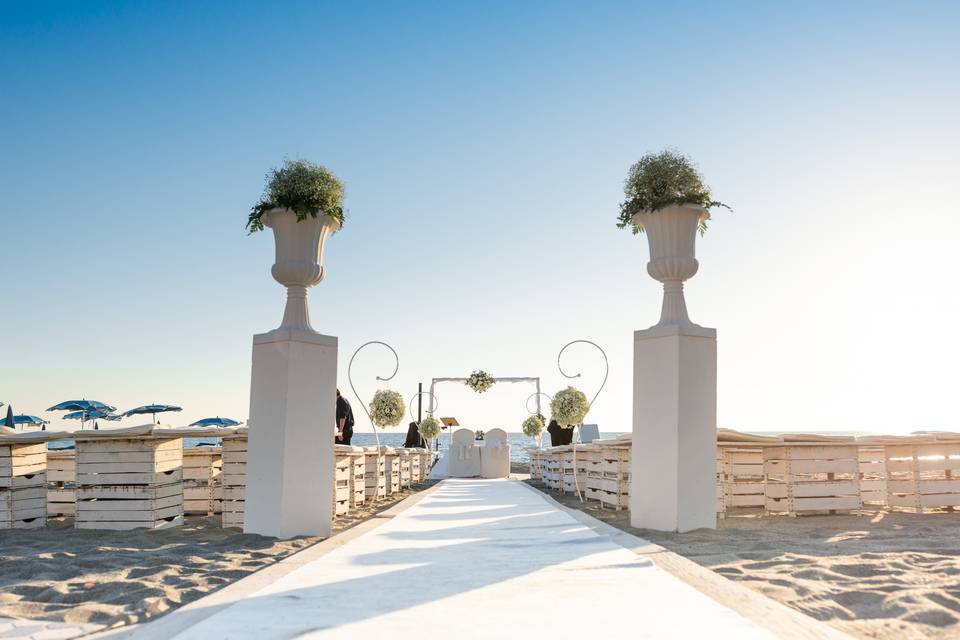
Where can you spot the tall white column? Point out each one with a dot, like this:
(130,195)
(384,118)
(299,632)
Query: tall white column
(290,460)
(673,459)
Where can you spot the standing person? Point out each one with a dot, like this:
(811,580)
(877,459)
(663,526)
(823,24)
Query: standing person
(344,420)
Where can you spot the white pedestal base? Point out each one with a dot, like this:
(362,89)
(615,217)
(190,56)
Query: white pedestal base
(289,488)
(673,460)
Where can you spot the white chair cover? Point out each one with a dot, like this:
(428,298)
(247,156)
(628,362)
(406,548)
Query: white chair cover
(464,455)
(495,455)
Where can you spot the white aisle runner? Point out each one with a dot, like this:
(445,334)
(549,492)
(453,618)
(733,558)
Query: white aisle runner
(478,559)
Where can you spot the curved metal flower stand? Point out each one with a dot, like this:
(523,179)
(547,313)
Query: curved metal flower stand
(538,412)
(606,374)
(433,407)
(363,404)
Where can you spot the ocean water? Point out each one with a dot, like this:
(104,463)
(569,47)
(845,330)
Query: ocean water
(518,442)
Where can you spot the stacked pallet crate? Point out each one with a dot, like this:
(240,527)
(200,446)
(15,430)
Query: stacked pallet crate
(391,469)
(61,482)
(925,473)
(403,456)
(552,468)
(426,463)
(416,466)
(812,477)
(721,503)
(873,473)
(608,479)
(128,479)
(234,478)
(536,463)
(202,468)
(23,482)
(342,468)
(375,481)
(357,477)
(742,478)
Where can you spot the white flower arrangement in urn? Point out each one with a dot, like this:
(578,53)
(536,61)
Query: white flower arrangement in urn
(387,408)
(303,205)
(569,407)
(667,199)
(480,381)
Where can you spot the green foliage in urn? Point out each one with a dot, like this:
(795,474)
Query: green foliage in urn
(659,180)
(429,428)
(480,381)
(387,408)
(533,426)
(569,407)
(306,188)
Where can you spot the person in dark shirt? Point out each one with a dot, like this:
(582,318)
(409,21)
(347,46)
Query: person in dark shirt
(344,425)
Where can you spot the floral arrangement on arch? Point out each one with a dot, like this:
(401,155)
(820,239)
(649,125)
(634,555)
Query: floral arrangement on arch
(533,426)
(387,408)
(480,381)
(429,428)
(569,407)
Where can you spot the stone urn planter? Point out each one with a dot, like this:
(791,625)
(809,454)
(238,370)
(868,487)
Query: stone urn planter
(672,235)
(298,263)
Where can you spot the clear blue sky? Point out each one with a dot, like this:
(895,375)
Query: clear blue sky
(483,146)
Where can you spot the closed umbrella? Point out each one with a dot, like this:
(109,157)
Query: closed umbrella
(8,421)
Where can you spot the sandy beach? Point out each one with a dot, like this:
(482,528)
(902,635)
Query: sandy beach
(885,575)
(114,577)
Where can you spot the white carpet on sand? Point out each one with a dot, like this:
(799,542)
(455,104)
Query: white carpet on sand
(478,559)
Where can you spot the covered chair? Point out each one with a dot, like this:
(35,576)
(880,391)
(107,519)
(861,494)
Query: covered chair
(464,456)
(495,455)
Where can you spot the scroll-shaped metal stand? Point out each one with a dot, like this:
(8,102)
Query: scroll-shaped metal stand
(606,374)
(354,389)
(433,407)
(538,412)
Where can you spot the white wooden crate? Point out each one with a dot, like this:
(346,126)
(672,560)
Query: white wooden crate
(406,477)
(375,482)
(23,500)
(391,469)
(810,478)
(202,468)
(129,482)
(61,482)
(924,475)
(233,479)
(342,467)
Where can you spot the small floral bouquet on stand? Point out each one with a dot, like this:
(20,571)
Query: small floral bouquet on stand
(480,381)
(533,427)
(429,429)
(387,408)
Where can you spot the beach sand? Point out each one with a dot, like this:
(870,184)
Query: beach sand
(886,575)
(111,577)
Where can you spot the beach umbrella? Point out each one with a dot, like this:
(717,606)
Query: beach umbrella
(85,415)
(215,422)
(82,405)
(152,409)
(8,422)
(27,419)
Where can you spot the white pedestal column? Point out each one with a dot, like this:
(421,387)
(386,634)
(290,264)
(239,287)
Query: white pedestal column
(290,460)
(673,460)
